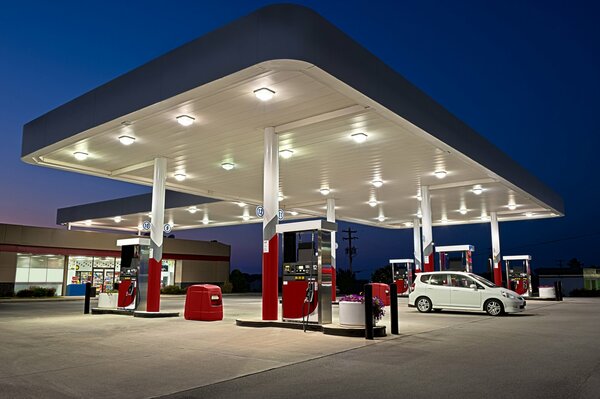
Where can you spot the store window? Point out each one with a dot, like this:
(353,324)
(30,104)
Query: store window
(39,271)
(101,271)
(168,272)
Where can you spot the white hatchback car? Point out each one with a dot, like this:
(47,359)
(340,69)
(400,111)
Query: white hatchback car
(462,291)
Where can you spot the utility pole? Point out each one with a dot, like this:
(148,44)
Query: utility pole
(351,251)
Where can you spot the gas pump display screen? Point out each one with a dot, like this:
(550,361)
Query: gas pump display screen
(455,263)
(300,267)
(518,269)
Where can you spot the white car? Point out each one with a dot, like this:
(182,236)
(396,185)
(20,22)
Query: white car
(462,291)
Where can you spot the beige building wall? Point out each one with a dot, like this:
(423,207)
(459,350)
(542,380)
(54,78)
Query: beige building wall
(186,271)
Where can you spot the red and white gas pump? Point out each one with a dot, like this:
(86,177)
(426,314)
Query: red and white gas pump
(134,261)
(456,257)
(402,274)
(518,274)
(307,271)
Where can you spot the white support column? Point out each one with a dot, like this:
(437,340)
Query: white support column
(150,288)
(428,256)
(270,265)
(417,245)
(496,259)
(331,218)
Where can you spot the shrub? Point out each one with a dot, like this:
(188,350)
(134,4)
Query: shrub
(582,292)
(36,292)
(173,290)
(227,288)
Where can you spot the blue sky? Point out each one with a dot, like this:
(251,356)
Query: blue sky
(524,74)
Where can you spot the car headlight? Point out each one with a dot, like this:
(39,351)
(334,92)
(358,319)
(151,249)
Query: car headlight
(507,295)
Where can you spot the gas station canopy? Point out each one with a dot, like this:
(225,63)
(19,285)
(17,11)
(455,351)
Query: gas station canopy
(349,128)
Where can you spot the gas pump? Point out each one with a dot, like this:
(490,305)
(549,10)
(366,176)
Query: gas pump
(518,274)
(402,274)
(457,258)
(306,270)
(134,258)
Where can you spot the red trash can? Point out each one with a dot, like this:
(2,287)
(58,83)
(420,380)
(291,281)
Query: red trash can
(382,291)
(203,302)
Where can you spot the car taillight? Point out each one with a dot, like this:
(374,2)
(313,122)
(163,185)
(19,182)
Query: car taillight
(412,287)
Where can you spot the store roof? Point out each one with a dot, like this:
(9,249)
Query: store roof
(327,88)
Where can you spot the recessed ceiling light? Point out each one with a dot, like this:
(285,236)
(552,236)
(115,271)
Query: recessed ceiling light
(359,137)
(440,174)
(80,155)
(529,214)
(444,220)
(377,183)
(185,120)
(408,224)
(246,218)
(286,154)
(241,204)
(419,214)
(227,165)
(192,209)
(463,211)
(126,123)
(324,191)
(293,213)
(419,198)
(264,94)
(512,207)
(88,222)
(118,219)
(485,217)
(205,220)
(381,218)
(372,203)
(180,176)
(126,140)
(477,190)
(280,197)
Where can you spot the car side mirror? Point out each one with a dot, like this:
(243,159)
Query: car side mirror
(473,286)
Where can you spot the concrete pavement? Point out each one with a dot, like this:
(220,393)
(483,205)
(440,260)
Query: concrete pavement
(51,350)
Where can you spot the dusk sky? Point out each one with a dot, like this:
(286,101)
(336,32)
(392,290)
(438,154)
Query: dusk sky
(524,74)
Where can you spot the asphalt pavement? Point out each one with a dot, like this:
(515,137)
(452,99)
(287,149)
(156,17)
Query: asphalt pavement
(52,350)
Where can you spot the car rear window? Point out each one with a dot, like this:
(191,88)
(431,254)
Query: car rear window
(435,279)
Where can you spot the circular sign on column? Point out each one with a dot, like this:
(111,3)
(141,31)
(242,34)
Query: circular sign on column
(260,211)
(146,225)
(280,214)
(167,228)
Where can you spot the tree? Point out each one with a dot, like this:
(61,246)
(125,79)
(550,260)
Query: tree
(346,282)
(574,263)
(238,279)
(382,275)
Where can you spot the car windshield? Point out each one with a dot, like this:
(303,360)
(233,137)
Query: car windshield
(483,281)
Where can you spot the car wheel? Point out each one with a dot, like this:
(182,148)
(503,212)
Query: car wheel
(494,307)
(424,304)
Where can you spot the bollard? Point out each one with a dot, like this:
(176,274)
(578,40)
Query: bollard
(560,291)
(368,311)
(394,308)
(88,294)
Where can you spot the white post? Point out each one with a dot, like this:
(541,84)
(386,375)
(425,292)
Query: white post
(496,259)
(331,218)
(270,265)
(150,281)
(428,257)
(417,245)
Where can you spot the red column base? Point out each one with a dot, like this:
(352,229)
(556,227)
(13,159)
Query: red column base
(428,266)
(498,274)
(333,272)
(154,272)
(270,282)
